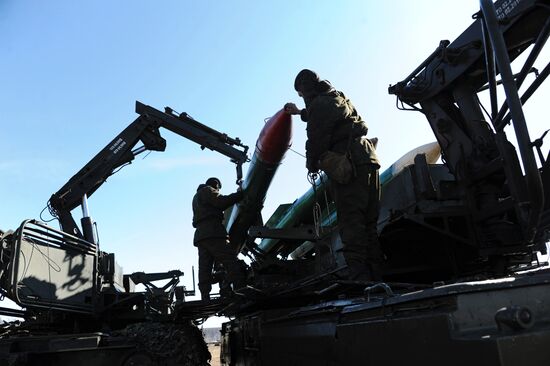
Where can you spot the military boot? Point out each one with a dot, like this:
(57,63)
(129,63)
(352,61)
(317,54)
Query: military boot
(205,292)
(375,270)
(358,271)
(225,290)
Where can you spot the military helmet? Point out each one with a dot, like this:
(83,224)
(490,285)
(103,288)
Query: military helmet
(214,182)
(305,79)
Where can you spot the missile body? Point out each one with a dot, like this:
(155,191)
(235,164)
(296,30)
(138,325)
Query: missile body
(299,211)
(302,209)
(271,146)
(431,150)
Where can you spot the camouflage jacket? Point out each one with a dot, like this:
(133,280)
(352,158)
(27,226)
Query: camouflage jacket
(329,117)
(208,208)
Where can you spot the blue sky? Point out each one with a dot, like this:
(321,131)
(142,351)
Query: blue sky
(70,73)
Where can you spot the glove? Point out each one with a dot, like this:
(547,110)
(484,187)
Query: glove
(312,166)
(291,108)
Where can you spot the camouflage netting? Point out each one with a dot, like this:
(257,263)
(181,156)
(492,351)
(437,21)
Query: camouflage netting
(170,344)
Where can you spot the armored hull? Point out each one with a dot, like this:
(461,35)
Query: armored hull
(497,322)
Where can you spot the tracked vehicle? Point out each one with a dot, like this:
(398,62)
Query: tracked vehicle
(463,283)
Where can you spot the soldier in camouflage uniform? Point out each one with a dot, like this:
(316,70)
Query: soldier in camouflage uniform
(211,238)
(334,125)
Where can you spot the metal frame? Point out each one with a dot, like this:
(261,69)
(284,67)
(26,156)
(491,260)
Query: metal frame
(32,229)
(445,89)
(500,53)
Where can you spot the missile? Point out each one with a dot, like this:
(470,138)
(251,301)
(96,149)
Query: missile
(301,210)
(271,146)
(431,150)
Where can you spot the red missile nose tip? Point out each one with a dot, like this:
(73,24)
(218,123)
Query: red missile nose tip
(275,138)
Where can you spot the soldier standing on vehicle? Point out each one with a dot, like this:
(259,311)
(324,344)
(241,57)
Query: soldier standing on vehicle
(337,145)
(211,238)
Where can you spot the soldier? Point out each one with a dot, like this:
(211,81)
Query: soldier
(211,238)
(335,135)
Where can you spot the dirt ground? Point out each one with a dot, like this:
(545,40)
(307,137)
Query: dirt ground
(215,352)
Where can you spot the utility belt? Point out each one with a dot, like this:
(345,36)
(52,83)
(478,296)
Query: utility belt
(340,162)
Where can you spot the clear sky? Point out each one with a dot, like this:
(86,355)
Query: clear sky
(70,72)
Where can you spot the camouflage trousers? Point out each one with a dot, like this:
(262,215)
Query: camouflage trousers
(357,206)
(218,250)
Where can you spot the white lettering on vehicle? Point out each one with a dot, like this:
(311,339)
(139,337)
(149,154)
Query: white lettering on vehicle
(506,8)
(118,145)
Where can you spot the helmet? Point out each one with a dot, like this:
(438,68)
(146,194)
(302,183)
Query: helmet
(306,79)
(214,183)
